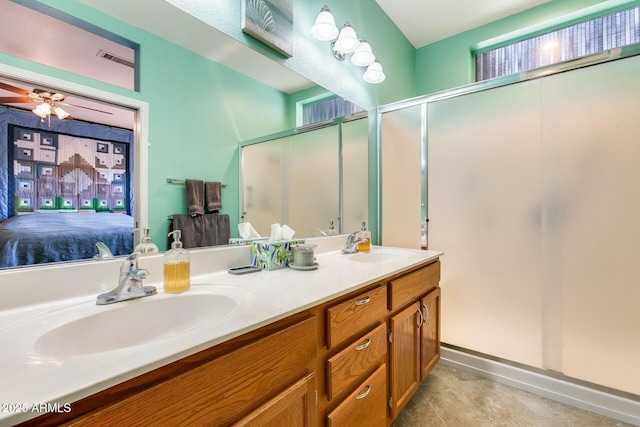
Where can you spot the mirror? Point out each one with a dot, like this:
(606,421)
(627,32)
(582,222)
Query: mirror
(164,201)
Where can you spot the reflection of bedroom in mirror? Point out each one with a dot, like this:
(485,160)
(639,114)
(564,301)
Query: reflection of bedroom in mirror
(67,153)
(68,187)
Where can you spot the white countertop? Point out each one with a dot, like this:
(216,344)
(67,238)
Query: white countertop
(30,378)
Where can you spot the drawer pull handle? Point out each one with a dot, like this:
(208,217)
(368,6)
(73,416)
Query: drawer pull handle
(426,312)
(420,318)
(364,301)
(364,393)
(364,345)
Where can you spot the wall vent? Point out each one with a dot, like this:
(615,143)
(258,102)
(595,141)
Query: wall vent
(111,57)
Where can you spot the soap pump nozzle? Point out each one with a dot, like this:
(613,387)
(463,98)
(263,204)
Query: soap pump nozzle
(177,243)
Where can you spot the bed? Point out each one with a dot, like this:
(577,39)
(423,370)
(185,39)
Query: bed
(52,237)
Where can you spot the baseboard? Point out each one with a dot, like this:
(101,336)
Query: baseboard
(626,409)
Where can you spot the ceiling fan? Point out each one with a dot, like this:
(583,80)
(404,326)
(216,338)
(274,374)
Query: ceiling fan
(48,102)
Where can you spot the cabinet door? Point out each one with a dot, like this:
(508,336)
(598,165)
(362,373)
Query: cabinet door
(295,406)
(430,332)
(404,356)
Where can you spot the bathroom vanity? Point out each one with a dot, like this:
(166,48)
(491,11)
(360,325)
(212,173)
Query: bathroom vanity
(346,344)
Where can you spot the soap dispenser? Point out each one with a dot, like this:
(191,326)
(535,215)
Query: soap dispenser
(177,266)
(331,231)
(146,246)
(364,234)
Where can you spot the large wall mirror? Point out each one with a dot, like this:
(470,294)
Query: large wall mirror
(136,113)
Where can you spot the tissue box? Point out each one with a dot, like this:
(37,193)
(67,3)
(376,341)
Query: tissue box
(235,241)
(273,255)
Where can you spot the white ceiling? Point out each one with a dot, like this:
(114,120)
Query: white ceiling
(426,21)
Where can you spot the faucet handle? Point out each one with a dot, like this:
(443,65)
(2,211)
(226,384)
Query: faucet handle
(130,263)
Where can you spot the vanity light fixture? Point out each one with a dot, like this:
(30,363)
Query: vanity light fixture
(345,43)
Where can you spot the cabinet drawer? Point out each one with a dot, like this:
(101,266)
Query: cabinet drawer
(352,317)
(360,357)
(408,288)
(367,406)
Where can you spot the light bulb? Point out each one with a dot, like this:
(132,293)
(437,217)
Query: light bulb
(325,27)
(363,56)
(347,40)
(60,113)
(374,73)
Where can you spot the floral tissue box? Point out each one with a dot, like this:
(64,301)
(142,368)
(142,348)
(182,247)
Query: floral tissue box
(273,255)
(235,241)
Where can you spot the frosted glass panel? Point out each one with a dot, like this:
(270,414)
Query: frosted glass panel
(262,189)
(312,180)
(401,154)
(355,188)
(484,169)
(597,110)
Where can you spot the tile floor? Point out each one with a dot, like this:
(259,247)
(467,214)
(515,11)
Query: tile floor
(454,398)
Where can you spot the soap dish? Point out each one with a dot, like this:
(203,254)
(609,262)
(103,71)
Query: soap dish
(305,267)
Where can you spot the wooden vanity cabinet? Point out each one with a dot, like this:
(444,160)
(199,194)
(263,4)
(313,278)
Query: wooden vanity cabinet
(414,332)
(354,360)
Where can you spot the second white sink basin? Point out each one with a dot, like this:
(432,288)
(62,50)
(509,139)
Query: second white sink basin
(381,256)
(140,321)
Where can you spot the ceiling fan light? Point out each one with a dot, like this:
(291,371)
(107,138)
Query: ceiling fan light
(325,28)
(363,56)
(347,41)
(43,110)
(374,73)
(60,112)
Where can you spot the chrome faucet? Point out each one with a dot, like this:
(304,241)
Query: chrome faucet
(352,244)
(129,284)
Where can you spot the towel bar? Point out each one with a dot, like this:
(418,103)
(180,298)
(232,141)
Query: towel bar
(181,181)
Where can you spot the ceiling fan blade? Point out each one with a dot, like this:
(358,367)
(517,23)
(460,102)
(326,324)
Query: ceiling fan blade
(15,100)
(14,89)
(86,108)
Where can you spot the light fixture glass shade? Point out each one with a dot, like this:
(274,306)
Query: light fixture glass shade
(325,27)
(43,110)
(363,56)
(374,73)
(347,41)
(60,112)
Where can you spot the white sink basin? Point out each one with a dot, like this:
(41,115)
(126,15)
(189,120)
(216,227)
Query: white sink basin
(140,321)
(381,256)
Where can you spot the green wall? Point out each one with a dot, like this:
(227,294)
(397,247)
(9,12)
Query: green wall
(449,63)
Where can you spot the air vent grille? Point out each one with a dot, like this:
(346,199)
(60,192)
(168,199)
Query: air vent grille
(111,57)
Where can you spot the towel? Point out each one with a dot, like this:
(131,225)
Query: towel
(216,229)
(195,196)
(202,230)
(213,196)
(191,228)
